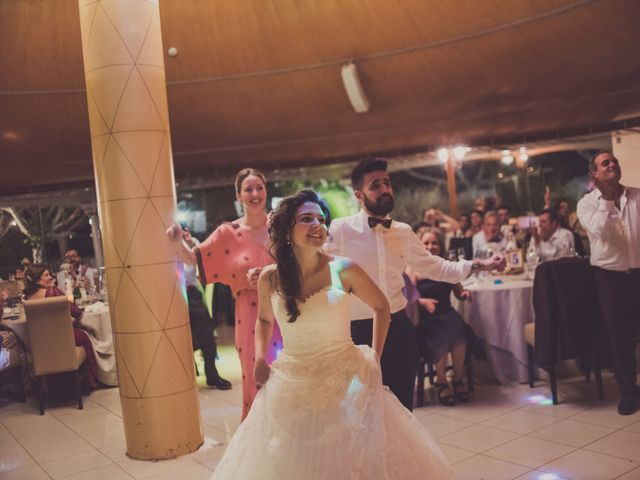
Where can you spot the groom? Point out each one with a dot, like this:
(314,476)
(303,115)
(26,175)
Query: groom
(385,248)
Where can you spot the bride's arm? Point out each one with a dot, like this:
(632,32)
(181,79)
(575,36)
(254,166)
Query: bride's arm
(264,325)
(356,281)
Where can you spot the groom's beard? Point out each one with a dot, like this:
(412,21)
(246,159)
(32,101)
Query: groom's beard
(381,207)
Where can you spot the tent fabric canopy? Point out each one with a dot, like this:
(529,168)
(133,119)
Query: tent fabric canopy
(257,83)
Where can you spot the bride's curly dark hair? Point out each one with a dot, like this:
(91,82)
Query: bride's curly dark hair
(281,223)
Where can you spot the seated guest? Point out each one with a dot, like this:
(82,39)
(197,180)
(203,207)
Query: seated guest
(569,220)
(464,223)
(549,239)
(78,270)
(441,330)
(39,284)
(475,223)
(504,216)
(489,239)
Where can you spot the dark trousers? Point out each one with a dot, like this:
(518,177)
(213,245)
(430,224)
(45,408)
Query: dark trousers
(619,298)
(400,355)
(202,332)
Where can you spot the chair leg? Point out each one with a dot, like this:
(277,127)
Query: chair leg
(40,390)
(22,394)
(431,373)
(554,384)
(599,386)
(420,395)
(468,365)
(531,367)
(78,387)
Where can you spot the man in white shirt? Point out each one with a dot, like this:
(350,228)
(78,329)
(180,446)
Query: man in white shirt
(384,248)
(611,216)
(490,238)
(550,240)
(78,271)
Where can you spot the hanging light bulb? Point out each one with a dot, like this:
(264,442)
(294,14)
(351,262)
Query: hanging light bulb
(460,151)
(524,156)
(507,157)
(443,155)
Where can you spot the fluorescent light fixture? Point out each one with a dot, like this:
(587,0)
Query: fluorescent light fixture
(443,155)
(353,87)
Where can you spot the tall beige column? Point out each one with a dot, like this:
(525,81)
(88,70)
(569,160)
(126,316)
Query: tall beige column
(127,101)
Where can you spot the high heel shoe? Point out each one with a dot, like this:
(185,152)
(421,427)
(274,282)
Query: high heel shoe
(446,400)
(462,396)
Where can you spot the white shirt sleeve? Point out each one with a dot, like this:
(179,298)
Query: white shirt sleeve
(434,267)
(596,215)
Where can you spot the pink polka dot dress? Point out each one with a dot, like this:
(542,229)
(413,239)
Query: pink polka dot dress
(225,257)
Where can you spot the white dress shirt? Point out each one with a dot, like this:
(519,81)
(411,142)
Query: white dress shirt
(614,233)
(384,254)
(480,244)
(560,244)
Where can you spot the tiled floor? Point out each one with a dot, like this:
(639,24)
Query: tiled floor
(504,433)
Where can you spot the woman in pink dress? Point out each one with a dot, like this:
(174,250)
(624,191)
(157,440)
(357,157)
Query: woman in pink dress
(234,254)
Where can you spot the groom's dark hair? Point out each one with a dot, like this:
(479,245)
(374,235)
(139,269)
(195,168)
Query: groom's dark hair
(366,165)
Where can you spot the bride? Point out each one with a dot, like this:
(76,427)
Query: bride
(322,411)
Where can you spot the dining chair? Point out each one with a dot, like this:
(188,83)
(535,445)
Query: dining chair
(53,349)
(567,321)
(427,370)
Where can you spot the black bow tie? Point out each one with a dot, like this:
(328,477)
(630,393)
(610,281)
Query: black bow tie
(376,221)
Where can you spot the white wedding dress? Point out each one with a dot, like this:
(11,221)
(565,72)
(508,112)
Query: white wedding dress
(324,413)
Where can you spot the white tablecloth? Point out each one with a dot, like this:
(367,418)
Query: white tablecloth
(96,319)
(498,313)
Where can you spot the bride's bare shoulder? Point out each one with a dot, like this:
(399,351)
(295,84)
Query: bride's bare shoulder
(268,278)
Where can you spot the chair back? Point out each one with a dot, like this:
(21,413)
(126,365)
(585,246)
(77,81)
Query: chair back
(566,310)
(462,242)
(50,331)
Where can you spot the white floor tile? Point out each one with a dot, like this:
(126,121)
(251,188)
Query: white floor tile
(539,475)
(584,465)
(520,421)
(76,464)
(481,467)
(108,472)
(141,469)
(193,472)
(631,475)
(54,446)
(478,438)
(529,452)
(455,454)
(440,425)
(607,416)
(33,472)
(14,458)
(572,433)
(621,444)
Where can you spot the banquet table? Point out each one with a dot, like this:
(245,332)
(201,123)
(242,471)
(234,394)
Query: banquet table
(498,310)
(98,324)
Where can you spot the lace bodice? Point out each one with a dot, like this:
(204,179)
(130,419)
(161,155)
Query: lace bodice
(323,324)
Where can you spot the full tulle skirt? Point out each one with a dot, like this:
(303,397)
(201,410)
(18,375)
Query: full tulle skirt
(328,416)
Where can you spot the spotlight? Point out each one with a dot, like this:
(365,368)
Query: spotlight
(443,155)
